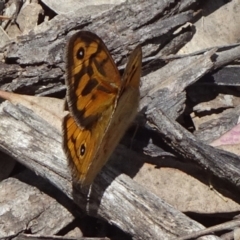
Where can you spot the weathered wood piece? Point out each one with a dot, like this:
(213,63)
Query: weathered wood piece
(218,228)
(37,59)
(165,88)
(114,197)
(213,129)
(28,202)
(226,76)
(39,237)
(221,164)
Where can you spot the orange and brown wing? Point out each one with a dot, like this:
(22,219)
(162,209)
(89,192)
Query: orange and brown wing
(93,85)
(80,146)
(132,73)
(93,80)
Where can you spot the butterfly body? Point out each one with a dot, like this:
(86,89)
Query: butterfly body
(101,105)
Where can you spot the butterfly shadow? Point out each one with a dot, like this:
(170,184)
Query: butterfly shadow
(122,161)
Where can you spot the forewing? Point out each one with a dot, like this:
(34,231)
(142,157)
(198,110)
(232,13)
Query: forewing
(93,81)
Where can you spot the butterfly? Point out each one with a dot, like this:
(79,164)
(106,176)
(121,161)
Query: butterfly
(101,104)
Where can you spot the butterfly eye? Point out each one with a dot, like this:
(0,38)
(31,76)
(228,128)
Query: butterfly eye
(82,150)
(80,53)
